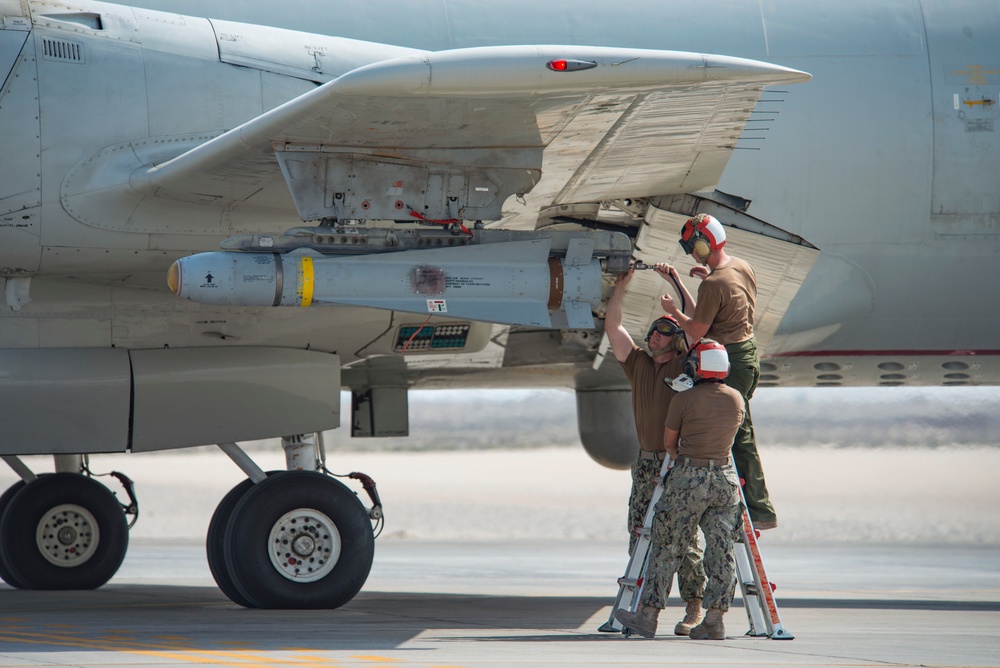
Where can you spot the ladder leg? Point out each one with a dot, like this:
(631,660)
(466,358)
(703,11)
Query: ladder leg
(630,585)
(756,607)
(746,576)
(758,594)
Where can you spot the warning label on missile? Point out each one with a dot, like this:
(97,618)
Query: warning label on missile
(466,281)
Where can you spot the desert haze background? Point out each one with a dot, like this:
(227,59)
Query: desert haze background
(876,465)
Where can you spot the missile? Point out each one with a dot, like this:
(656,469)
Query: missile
(514,283)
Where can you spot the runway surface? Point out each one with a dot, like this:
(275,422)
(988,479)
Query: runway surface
(510,559)
(441,604)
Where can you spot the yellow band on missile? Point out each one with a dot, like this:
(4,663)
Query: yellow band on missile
(307,281)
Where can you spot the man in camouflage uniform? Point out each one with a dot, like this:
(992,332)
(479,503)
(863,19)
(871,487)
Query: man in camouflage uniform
(650,400)
(702,489)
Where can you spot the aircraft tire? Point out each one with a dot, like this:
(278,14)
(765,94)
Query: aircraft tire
(214,545)
(299,540)
(5,498)
(63,531)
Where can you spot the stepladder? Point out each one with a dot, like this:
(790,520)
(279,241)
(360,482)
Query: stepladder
(756,589)
(630,584)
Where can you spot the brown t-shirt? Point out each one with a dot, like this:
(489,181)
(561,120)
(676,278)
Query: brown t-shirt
(650,395)
(707,417)
(726,299)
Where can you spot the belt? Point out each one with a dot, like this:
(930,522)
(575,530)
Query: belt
(704,463)
(658,455)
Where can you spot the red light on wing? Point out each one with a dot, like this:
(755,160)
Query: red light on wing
(570,65)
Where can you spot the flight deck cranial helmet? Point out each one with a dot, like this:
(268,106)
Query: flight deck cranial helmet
(701,235)
(668,326)
(708,359)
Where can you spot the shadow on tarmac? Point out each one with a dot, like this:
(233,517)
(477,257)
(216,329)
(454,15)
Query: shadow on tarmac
(171,619)
(137,625)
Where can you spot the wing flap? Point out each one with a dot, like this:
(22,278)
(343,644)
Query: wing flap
(780,260)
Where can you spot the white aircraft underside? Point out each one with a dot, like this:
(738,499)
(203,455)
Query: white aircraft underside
(215,215)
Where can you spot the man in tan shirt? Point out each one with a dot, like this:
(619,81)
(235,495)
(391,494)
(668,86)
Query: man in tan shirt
(724,311)
(651,397)
(702,490)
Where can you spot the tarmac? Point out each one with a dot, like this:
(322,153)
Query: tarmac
(523,603)
(510,559)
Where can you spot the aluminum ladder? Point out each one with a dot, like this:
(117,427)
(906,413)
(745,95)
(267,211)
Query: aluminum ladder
(756,589)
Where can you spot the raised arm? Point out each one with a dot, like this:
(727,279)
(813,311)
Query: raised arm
(692,328)
(670,275)
(622,344)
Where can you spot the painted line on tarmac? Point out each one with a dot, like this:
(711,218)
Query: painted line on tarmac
(175,650)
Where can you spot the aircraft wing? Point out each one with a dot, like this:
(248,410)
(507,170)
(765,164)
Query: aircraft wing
(452,134)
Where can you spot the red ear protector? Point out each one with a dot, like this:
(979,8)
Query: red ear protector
(701,235)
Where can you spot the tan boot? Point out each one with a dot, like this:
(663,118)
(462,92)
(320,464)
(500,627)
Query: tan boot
(642,621)
(691,617)
(710,629)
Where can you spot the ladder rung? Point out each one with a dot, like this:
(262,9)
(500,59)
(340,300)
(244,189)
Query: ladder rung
(628,582)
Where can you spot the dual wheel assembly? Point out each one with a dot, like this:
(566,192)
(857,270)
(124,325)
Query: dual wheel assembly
(297,539)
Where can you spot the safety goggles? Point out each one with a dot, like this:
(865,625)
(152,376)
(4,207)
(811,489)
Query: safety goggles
(664,327)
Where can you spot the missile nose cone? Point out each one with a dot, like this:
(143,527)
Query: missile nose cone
(173,278)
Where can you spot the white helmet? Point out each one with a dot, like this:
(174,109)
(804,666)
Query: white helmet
(707,359)
(701,235)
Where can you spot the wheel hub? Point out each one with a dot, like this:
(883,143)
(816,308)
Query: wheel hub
(67,535)
(304,545)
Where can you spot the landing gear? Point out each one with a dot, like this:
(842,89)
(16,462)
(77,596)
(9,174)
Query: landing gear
(214,549)
(62,531)
(297,539)
(5,498)
(292,539)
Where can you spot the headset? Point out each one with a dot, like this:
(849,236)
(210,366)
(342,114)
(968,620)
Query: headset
(702,235)
(707,360)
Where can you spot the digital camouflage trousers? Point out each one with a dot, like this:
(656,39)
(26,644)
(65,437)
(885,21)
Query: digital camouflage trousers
(696,497)
(691,572)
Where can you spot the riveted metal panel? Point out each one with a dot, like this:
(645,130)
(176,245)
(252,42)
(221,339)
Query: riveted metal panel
(20,179)
(317,58)
(965,77)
